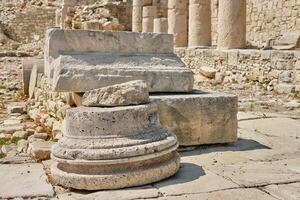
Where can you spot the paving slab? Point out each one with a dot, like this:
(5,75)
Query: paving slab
(192,178)
(241,116)
(233,194)
(284,191)
(144,192)
(275,148)
(24,180)
(253,174)
(280,127)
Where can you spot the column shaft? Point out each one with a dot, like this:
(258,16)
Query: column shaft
(149,13)
(178,21)
(160,25)
(232,24)
(200,23)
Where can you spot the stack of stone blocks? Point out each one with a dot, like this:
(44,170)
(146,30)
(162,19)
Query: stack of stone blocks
(119,136)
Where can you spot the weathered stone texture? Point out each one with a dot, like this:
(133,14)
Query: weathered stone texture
(102,148)
(129,93)
(272,70)
(160,25)
(232,24)
(80,73)
(149,13)
(199,118)
(178,21)
(199,23)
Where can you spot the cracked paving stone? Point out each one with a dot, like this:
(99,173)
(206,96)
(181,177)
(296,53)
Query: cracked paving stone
(233,194)
(284,191)
(24,180)
(192,178)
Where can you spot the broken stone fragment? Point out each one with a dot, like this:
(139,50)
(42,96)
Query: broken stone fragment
(129,93)
(208,72)
(40,150)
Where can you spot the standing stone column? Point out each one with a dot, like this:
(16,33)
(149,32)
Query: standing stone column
(160,25)
(149,13)
(232,24)
(178,21)
(199,23)
(57,17)
(137,12)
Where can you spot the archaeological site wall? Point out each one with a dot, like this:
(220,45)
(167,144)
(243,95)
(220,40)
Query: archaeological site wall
(266,19)
(29,24)
(277,71)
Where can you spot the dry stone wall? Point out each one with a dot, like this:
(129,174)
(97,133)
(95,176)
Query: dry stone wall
(266,19)
(272,70)
(29,24)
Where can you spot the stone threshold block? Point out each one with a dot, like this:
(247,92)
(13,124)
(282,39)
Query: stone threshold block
(112,148)
(83,72)
(81,60)
(64,41)
(201,117)
(27,65)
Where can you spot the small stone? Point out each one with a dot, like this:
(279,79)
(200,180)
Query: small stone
(20,135)
(2,154)
(8,147)
(292,104)
(284,88)
(56,130)
(42,135)
(129,93)
(208,72)
(39,129)
(40,150)
(11,122)
(11,129)
(22,146)
(5,137)
(16,109)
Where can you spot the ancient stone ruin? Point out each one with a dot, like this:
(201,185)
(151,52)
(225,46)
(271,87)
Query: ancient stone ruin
(149,99)
(118,133)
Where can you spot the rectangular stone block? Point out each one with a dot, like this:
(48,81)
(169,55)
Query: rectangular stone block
(27,65)
(65,41)
(201,117)
(83,72)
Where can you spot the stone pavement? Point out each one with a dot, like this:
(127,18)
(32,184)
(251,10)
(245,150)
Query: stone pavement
(263,164)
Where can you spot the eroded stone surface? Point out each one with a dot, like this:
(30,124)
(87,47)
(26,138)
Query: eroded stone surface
(129,93)
(199,118)
(24,180)
(102,148)
(59,41)
(83,72)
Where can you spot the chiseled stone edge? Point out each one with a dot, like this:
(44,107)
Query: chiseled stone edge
(151,173)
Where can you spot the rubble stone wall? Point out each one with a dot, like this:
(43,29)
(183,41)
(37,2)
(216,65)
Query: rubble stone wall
(273,70)
(265,19)
(30,24)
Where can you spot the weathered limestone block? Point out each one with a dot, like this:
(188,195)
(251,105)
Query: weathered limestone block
(232,24)
(287,41)
(137,15)
(65,41)
(27,65)
(111,148)
(83,72)
(199,118)
(149,13)
(92,25)
(199,23)
(129,93)
(160,25)
(178,21)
